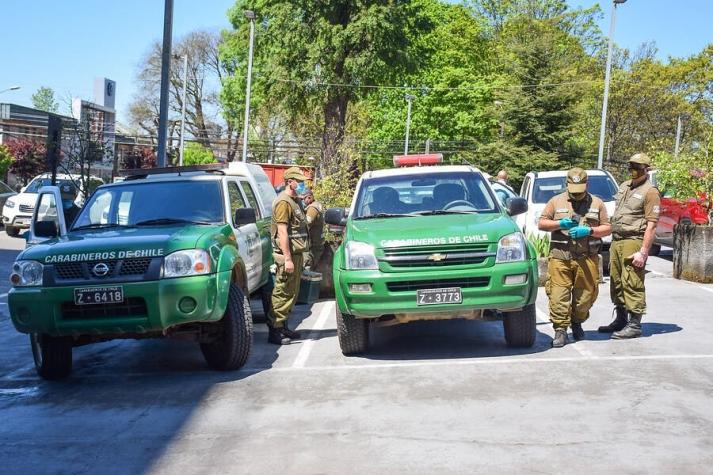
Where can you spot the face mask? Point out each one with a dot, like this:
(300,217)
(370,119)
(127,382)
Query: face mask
(578,196)
(301,188)
(66,204)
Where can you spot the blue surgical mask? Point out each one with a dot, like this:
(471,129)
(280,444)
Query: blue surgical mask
(301,188)
(66,204)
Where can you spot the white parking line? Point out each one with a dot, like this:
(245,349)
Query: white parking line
(308,345)
(707,289)
(2,296)
(544,318)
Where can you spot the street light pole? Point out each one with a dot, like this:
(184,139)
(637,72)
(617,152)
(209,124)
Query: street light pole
(607,76)
(250,15)
(165,68)
(409,98)
(183,108)
(678,137)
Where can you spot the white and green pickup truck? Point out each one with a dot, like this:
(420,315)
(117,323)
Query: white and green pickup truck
(165,253)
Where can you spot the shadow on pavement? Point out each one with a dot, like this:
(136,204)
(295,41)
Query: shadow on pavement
(647,329)
(446,339)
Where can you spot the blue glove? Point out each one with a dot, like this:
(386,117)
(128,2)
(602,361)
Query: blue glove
(580,232)
(567,223)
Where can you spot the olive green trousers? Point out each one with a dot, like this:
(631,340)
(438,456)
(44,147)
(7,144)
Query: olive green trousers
(626,284)
(287,287)
(572,287)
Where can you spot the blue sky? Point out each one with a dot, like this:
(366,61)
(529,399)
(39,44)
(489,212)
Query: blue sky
(65,44)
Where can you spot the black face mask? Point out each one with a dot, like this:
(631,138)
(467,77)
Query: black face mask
(578,196)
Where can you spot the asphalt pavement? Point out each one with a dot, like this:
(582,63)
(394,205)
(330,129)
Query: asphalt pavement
(430,397)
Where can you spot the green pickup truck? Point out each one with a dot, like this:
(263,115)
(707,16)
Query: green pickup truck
(165,253)
(431,243)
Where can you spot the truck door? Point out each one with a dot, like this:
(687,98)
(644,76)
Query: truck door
(263,226)
(247,237)
(48,218)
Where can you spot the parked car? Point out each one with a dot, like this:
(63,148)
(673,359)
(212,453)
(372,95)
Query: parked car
(5,193)
(673,212)
(17,211)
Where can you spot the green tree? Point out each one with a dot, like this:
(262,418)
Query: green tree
(44,100)
(5,161)
(311,53)
(197,154)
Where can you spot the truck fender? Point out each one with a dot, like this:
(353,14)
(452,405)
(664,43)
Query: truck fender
(230,269)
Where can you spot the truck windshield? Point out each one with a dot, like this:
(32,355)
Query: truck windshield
(601,186)
(418,194)
(157,203)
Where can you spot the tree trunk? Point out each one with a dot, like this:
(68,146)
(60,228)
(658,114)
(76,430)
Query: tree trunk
(335,116)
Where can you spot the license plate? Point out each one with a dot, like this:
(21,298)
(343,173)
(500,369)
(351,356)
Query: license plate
(439,296)
(98,295)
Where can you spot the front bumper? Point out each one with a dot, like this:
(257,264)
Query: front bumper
(19,221)
(381,301)
(51,310)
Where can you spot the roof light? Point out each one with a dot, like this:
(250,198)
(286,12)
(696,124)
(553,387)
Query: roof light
(418,159)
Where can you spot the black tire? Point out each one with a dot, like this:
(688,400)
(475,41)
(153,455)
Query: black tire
(12,231)
(353,334)
(519,327)
(654,250)
(52,355)
(231,349)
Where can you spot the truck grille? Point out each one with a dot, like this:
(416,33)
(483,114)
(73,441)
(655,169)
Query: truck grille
(437,256)
(83,270)
(131,307)
(464,283)
(26,209)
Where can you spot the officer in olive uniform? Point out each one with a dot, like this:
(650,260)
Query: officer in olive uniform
(289,242)
(68,193)
(577,221)
(315,223)
(633,228)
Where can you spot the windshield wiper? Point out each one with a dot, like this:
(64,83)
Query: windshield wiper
(100,226)
(150,222)
(441,211)
(383,215)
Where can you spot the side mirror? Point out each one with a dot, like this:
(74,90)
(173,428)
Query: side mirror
(245,216)
(516,206)
(46,229)
(336,216)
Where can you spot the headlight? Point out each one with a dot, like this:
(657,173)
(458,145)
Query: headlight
(511,248)
(360,256)
(185,263)
(26,274)
(9,203)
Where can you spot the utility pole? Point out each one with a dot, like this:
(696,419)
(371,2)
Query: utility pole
(165,68)
(678,136)
(250,15)
(183,108)
(408,98)
(607,77)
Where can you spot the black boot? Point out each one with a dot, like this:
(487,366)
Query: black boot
(578,332)
(560,338)
(291,334)
(632,329)
(276,337)
(619,321)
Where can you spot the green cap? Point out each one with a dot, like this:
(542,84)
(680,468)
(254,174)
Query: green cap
(641,159)
(295,173)
(576,180)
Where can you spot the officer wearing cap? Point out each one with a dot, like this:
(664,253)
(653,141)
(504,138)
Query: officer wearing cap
(633,228)
(289,241)
(577,221)
(315,223)
(68,193)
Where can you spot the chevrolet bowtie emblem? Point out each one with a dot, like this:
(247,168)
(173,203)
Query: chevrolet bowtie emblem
(436,257)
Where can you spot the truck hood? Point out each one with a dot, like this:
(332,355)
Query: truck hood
(120,243)
(431,230)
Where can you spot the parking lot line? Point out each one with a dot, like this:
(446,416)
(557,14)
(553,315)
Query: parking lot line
(544,318)
(312,336)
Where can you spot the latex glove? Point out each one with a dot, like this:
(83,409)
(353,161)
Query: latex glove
(579,232)
(567,223)
(638,259)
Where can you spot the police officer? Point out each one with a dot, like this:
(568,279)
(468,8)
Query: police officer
(315,224)
(289,242)
(577,221)
(633,228)
(68,193)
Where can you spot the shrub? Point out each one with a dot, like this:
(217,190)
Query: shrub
(541,243)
